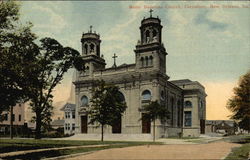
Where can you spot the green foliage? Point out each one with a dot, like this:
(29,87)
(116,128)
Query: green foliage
(155,111)
(239,104)
(29,71)
(52,62)
(245,124)
(9,13)
(7,145)
(17,52)
(107,104)
(241,152)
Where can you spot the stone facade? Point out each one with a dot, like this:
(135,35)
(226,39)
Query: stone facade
(194,113)
(139,83)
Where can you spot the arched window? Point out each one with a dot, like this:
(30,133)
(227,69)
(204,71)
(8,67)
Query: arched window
(86,49)
(146,95)
(142,61)
(147,36)
(87,70)
(84,101)
(150,60)
(179,113)
(162,95)
(179,104)
(121,97)
(188,104)
(98,50)
(188,118)
(154,35)
(146,59)
(172,110)
(92,47)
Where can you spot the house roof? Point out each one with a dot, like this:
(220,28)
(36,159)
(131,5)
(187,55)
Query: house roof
(57,122)
(217,122)
(68,106)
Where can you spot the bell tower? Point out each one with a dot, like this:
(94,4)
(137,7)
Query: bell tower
(150,51)
(91,52)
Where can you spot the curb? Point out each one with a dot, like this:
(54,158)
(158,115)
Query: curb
(67,156)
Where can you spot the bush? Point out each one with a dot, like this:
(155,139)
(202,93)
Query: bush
(53,134)
(68,135)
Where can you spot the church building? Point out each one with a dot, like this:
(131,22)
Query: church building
(141,82)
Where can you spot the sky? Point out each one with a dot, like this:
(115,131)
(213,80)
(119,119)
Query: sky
(206,41)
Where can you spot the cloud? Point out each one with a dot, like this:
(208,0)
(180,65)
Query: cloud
(46,16)
(56,21)
(122,37)
(202,18)
(202,44)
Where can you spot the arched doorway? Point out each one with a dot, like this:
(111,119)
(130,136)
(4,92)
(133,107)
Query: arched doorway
(84,118)
(146,124)
(84,124)
(117,125)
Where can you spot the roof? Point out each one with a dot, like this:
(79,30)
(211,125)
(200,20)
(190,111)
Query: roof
(181,81)
(57,122)
(68,106)
(217,122)
(123,65)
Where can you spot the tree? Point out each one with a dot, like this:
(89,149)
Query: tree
(239,104)
(51,63)
(107,105)
(154,111)
(17,52)
(30,71)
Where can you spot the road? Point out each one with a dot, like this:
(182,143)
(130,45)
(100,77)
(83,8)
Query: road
(214,150)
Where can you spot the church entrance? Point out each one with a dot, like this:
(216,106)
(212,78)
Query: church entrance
(202,126)
(84,124)
(146,125)
(117,126)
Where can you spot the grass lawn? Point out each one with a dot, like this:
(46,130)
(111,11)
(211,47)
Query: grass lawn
(239,153)
(8,145)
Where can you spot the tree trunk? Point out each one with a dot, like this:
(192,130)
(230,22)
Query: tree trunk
(11,122)
(38,126)
(154,131)
(102,133)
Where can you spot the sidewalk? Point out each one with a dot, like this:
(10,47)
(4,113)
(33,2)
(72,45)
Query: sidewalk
(199,140)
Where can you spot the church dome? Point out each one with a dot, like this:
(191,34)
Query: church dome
(151,20)
(90,35)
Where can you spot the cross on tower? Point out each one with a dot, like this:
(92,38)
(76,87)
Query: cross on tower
(151,12)
(115,56)
(90,27)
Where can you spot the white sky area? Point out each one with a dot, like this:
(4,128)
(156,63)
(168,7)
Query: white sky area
(209,45)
